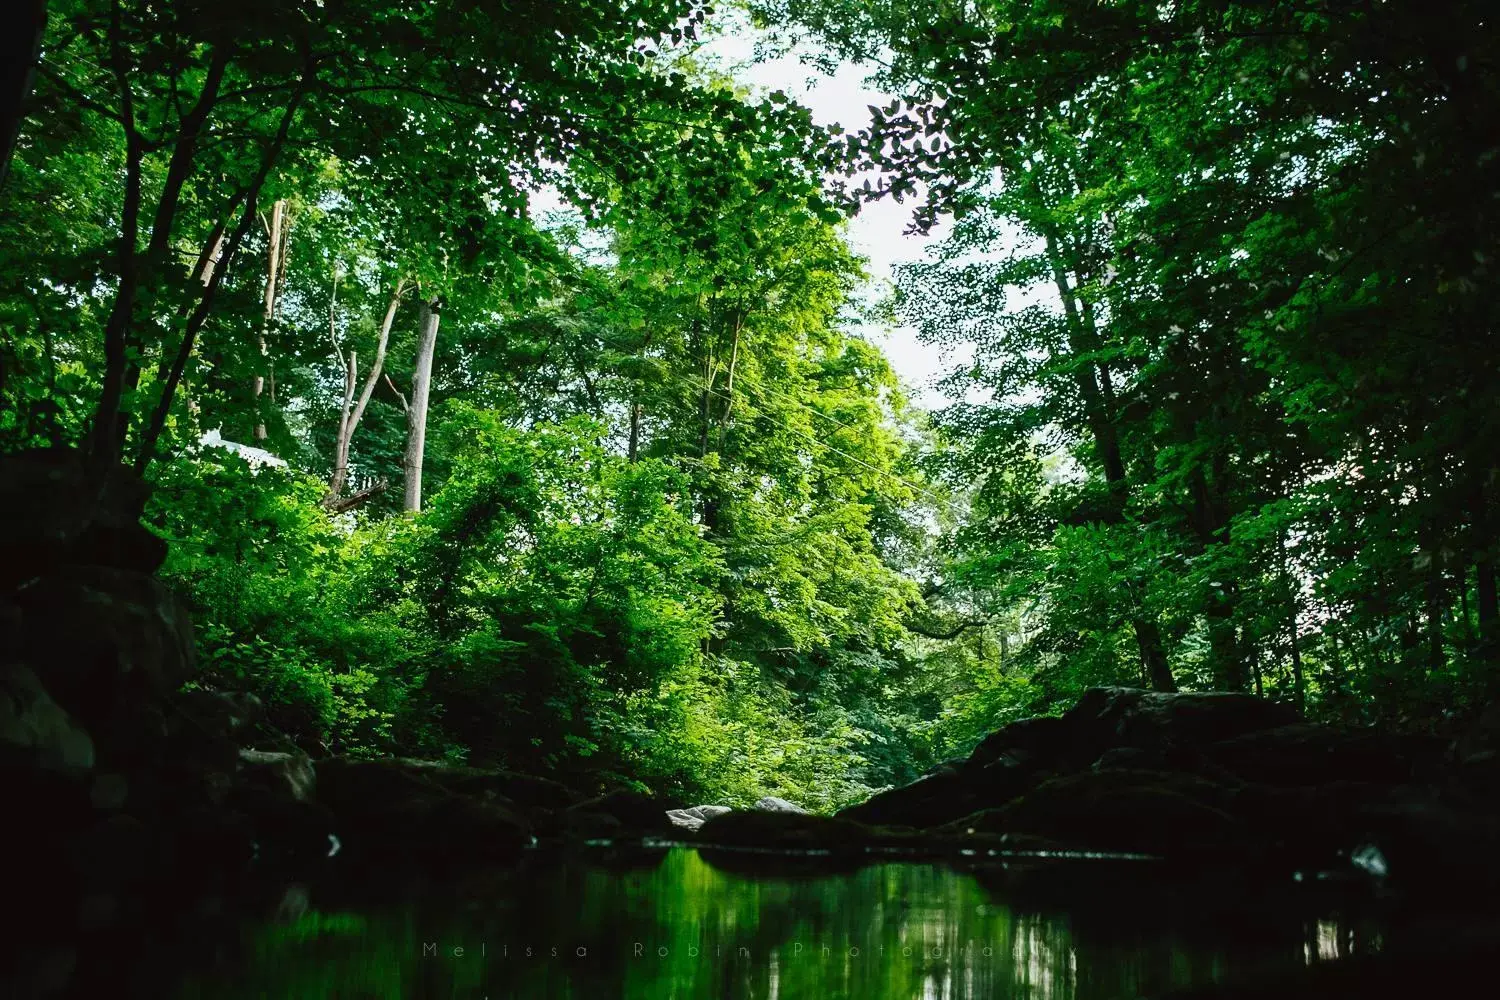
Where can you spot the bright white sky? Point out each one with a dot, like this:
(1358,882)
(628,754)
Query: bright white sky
(878,231)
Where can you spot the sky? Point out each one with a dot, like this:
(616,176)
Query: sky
(877,231)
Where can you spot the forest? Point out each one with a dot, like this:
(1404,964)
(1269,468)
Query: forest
(509,391)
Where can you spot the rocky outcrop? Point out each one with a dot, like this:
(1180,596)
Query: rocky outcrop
(35,731)
(1224,779)
(693,818)
(784,831)
(618,815)
(386,810)
(124,788)
(770,803)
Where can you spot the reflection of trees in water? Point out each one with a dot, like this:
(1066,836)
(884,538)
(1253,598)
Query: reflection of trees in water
(680,927)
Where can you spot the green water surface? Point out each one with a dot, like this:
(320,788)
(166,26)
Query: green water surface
(677,926)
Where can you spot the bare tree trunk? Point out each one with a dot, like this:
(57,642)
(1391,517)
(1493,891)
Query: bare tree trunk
(274,246)
(346,428)
(349,418)
(1299,684)
(734,359)
(635,432)
(416,411)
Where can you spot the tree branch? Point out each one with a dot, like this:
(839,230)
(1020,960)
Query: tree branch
(340,505)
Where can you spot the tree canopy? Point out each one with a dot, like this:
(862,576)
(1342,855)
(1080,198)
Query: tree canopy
(620,488)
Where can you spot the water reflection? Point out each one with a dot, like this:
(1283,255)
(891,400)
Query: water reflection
(679,927)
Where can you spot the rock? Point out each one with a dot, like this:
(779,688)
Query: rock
(524,790)
(1112,728)
(106,641)
(694,817)
(352,786)
(1129,717)
(620,814)
(1425,847)
(35,730)
(218,838)
(385,811)
(783,831)
(54,511)
(226,713)
(291,774)
(1152,812)
(109,791)
(1481,737)
(771,803)
(926,802)
(1023,742)
(1305,754)
(117,851)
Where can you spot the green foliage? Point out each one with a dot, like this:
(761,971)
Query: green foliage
(1227,268)
(1225,417)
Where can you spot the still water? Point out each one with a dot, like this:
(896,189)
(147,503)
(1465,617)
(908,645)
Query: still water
(678,926)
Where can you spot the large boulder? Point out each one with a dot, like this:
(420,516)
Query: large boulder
(694,817)
(55,511)
(1130,717)
(930,801)
(1043,738)
(1117,728)
(279,772)
(523,790)
(384,811)
(106,642)
(620,814)
(1305,754)
(783,831)
(770,803)
(1152,812)
(37,732)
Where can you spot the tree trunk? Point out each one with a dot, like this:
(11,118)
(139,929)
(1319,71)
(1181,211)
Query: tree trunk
(195,322)
(349,418)
(416,411)
(158,254)
(1293,624)
(1100,418)
(1335,672)
(1153,660)
(734,360)
(106,444)
(346,428)
(1484,580)
(1210,523)
(274,247)
(635,432)
(23,45)
(1224,645)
